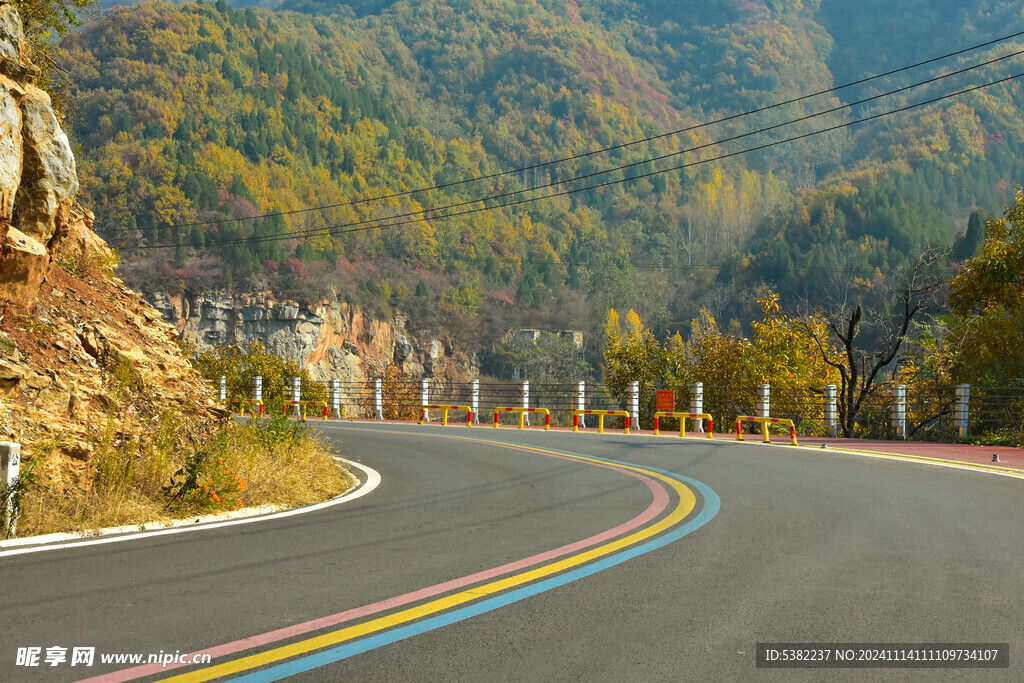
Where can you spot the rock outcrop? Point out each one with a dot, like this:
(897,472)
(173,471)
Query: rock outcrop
(330,340)
(38,182)
(89,361)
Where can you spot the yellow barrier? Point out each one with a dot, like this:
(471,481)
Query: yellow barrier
(468,409)
(303,404)
(600,421)
(522,416)
(765,421)
(242,402)
(682,421)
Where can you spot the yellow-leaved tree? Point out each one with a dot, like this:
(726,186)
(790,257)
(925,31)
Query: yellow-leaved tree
(634,354)
(723,363)
(783,352)
(239,366)
(786,356)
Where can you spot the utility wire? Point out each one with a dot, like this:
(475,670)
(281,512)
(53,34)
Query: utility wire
(506,195)
(604,150)
(421,215)
(649,266)
(335,231)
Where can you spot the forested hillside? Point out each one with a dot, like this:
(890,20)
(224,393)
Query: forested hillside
(191,116)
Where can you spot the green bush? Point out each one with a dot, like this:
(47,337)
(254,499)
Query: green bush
(241,366)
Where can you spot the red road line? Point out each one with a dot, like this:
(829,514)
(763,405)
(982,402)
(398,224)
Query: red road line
(658,505)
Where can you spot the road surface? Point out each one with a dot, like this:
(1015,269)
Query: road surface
(505,555)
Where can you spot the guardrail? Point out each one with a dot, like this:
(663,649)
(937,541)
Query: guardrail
(944,412)
(765,421)
(242,403)
(303,405)
(445,408)
(683,417)
(522,416)
(600,420)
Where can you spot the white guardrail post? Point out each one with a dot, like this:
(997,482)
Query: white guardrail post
(222,386)
(525,391)
(899,410)
(378,398)
(474,399)
(425,398)
(257,388)
(297,396)
(831,411)
(963,409)
(336,397)
(697,404)
(581,388)
(10,468)
(764,393)
(634,405)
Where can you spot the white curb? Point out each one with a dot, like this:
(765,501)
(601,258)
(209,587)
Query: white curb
(215,521)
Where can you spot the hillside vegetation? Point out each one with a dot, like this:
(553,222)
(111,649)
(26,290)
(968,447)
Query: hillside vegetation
(189,115)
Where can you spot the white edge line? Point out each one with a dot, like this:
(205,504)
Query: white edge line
(118,534)
(976,467)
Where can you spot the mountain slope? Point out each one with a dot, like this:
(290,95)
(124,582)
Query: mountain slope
(193,114)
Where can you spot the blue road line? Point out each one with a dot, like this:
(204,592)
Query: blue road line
(712,504)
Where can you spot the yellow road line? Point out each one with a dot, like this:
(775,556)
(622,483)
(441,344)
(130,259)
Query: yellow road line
(957,464)
(687,502)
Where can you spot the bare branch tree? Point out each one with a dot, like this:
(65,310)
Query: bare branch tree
(859,368)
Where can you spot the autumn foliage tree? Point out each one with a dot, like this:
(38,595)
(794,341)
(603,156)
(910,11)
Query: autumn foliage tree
(240,365)
(786,356)
(782,352)
(985,343)
(724,364)
(633,354)
(399,392)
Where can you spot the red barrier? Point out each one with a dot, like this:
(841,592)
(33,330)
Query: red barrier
(765,421)
(682,421)
(468,409)
(600,421)
(522,416)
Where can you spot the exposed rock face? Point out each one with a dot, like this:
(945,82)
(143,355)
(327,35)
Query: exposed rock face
(38,182)
(23,263)
(49,182)
(89,355)
(329,340)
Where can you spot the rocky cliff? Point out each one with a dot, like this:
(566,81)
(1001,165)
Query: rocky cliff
(38,182)
(330,340)
(83,359)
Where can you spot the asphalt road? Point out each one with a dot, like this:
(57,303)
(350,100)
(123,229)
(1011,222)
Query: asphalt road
(806,546)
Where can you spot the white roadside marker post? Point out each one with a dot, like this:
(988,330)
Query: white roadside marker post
(10,470)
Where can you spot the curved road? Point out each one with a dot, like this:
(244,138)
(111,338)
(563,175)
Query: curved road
(549,556)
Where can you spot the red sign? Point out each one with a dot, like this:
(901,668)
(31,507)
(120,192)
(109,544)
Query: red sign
(665,400)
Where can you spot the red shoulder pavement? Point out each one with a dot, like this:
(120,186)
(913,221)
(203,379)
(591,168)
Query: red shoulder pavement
(1009,458)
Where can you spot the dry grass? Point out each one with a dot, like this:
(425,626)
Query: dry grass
(285,469)
(280,462)
(46,511)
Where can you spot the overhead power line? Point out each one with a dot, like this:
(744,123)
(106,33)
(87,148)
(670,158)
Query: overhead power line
(432,213)
(649,266)
(603,150)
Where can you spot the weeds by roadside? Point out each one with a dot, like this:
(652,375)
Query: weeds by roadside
(12,498)
(180,471)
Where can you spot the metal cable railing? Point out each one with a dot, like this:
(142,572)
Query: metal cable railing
(924,413)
